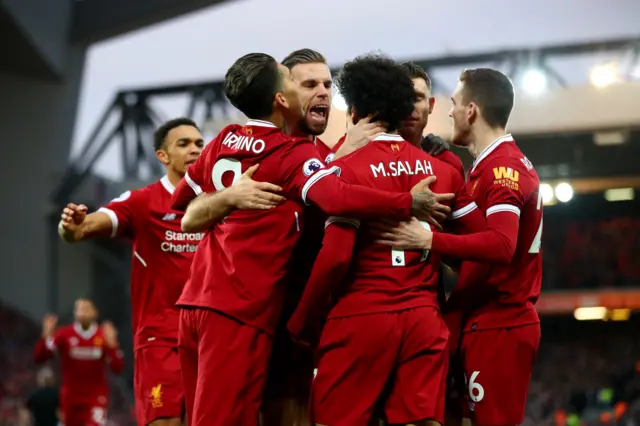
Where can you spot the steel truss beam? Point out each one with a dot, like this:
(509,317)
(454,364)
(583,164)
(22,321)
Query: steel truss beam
(137,119)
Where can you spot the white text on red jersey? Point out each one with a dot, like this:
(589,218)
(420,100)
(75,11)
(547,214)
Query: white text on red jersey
(398,168)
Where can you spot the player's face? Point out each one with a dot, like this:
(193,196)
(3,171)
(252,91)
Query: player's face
(288,99)
(314,84)
(413,127)
(460,114)
(84,312)
(182,147)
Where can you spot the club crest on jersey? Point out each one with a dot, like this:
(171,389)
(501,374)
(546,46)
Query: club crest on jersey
(311,166)
(473,188)
(156,396)
(97,341)
(395,147)
(248,131)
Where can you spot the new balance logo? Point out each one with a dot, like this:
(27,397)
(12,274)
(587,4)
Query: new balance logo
(169,216)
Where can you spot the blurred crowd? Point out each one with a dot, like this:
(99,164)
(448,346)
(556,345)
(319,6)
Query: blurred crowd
(587,374)
(19,375)
(591,253)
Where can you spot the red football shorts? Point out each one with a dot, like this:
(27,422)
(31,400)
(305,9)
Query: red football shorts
(158,384)
(224,365)
(399,359)
(497,366)
(84,411)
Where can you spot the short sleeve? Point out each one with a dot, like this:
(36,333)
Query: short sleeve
(302,168)
(463,203)
(122,212)
(505,181)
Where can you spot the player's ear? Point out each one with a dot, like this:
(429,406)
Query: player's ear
(163,156)
(280,100)
(472,112)
(432,103)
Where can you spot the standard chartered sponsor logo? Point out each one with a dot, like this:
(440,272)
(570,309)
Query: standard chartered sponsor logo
(180,242)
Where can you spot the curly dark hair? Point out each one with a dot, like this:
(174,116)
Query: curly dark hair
(376,85)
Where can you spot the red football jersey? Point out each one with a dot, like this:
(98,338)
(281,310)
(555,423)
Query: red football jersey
(241,265)
(503,180)
(162,255)
(83,355)
(326,153)
(381,279)
(310,241)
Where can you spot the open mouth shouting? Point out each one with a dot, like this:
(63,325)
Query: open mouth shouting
(318,114)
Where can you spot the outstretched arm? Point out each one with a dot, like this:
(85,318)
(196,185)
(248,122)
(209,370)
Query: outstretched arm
(76,225)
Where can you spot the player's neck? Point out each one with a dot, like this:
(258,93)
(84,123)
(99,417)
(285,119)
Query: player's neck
(484,137)
(276,119)
(413,139)
(174,177)
(85,327)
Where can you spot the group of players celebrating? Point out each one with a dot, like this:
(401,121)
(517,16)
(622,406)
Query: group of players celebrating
(271,273)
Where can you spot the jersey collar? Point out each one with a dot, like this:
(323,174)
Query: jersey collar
(85,334)
(260,123)
(488,150)
(388,137)
(167,184)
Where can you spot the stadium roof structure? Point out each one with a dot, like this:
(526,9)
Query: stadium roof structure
(36,34)
(206,104)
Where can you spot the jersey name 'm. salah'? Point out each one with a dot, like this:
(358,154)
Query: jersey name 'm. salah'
(83,358)
(162,256)
(398,168)
(381,279)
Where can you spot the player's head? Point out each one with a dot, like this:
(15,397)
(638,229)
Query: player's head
(260,87)
(413,127)
(85,312)
(178,144)
(375,85)
(484,98)
(310,71)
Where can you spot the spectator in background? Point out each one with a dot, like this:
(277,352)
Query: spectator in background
(43,402)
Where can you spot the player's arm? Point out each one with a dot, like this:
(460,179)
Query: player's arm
(328,270)
(47,343)
(113,355)
(76,225)
(117,218)
(206,210)
(358,135)
(496,244)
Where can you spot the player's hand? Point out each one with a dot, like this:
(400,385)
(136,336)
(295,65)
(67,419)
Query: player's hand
(427,204)
(49,324)
(434,145)
(110,334)
(72,217)
(360,134)
(248,194)
(406,235)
